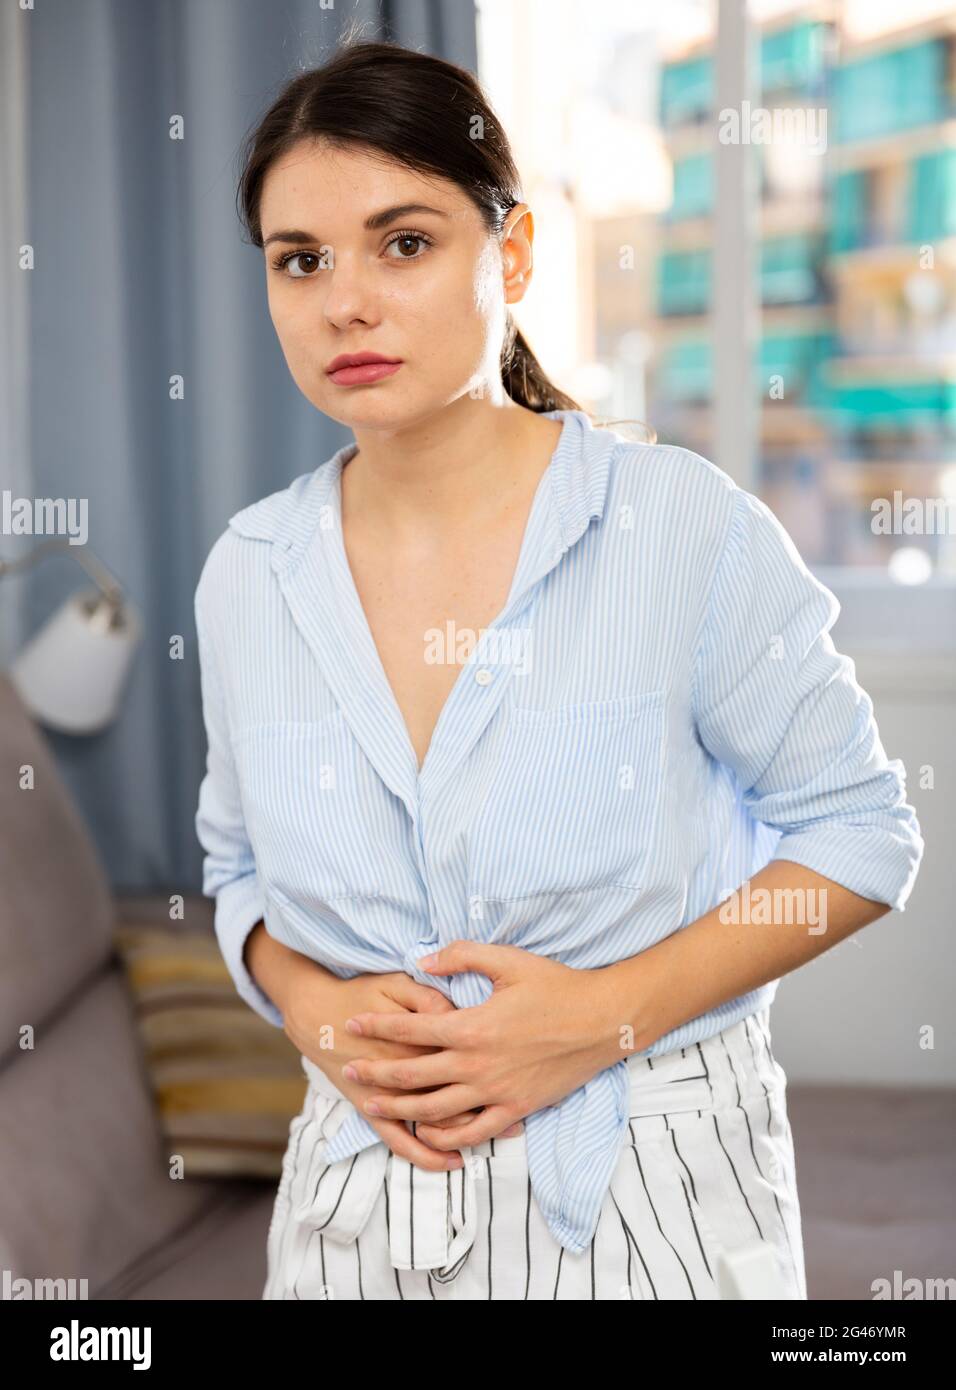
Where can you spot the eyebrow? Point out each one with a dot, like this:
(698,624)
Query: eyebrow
(373,223)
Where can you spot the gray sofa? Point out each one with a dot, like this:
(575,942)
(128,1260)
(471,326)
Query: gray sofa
(84,1191)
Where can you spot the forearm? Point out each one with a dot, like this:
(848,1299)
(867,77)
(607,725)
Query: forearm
(772,925)
(281,972)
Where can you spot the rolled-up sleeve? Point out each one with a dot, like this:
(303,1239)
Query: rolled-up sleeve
(776,702)
(229,869)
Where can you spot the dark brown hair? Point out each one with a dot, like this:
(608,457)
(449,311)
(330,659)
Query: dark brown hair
(425,113)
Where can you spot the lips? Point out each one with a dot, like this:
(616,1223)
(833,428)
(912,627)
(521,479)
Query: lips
(361,368)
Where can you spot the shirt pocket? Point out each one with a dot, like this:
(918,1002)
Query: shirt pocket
(575,800)
(310,800)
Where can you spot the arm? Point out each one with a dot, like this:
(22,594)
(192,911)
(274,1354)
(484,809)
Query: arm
(775,701)
(267,974)
(283,974)
(717,958)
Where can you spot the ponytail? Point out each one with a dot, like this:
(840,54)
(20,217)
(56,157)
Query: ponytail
(527,383)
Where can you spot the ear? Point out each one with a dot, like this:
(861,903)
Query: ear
(517,252)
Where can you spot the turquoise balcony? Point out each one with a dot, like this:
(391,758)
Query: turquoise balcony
(891,92)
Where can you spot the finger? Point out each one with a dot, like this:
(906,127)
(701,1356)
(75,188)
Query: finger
(423,1029)
(422,998)
(426,1106)
(428,1069)
(436,1002)
(492,1122)
(450,1121)
(424,1131)
(402,1142)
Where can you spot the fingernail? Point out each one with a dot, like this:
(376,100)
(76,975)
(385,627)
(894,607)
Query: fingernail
(350,1072)
(455,1161)
(426,961)
(372,1108)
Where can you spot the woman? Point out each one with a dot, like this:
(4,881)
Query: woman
(503,710)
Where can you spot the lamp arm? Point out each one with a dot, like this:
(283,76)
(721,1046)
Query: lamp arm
(101,576)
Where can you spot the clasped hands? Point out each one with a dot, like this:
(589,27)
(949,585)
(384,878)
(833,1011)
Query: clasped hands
(544,1031)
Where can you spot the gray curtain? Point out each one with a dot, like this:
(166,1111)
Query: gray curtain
(141,274)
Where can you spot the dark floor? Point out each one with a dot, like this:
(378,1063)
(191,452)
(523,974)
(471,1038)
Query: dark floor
(876,1173)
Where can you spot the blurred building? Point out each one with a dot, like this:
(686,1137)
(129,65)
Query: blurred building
(857,275)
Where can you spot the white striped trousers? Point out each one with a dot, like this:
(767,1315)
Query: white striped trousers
(705,1184)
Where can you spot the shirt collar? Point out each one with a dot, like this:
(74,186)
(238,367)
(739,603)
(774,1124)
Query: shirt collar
(575,484)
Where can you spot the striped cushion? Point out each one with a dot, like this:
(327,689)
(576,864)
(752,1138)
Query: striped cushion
(227,1083)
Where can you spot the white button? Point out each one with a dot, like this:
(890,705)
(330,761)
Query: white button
(483,677)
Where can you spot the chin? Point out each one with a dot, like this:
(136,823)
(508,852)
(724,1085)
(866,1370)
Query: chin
(360,411)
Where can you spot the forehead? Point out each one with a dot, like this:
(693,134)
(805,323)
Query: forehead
(348,184)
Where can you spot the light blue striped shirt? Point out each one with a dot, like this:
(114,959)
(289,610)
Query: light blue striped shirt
(657,711)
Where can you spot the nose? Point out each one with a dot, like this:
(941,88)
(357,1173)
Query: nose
(348,293)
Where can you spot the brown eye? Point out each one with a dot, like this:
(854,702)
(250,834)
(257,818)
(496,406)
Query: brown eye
(402,240)
(293,256)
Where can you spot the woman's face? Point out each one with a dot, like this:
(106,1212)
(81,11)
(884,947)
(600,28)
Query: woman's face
(429,288)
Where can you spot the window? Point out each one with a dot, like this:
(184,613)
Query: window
(850,229)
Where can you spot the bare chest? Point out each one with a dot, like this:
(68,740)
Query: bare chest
(426,613)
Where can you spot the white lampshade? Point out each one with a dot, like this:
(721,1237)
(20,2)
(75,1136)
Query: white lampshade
(71,673)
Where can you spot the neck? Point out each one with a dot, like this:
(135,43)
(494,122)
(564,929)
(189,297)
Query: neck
(458,466)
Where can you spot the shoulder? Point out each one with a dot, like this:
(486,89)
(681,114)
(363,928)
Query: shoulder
(220,569)
(677,485)
(270,517)
(673,495)
(687,477)
(244,547)
(283,519)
